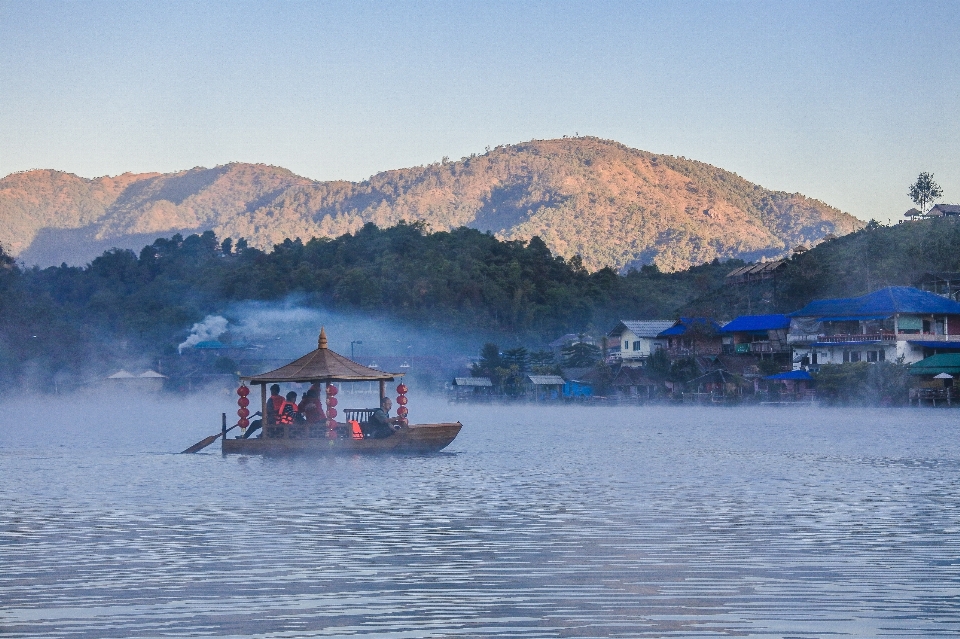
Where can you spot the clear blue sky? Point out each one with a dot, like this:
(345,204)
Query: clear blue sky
(843,101)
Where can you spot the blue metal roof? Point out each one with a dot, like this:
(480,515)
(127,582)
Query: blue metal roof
(886,301)
(944,346)
(797,375)
(854,318)
(757,323)
(684,323)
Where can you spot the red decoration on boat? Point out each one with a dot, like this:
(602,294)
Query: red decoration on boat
(402,389)
(243,402)
(331,390)
(244,422)
(332,401)
(402,411)
(404,422)
(331,423)
(331,413)
(243,391)
(243,413)
(402,400)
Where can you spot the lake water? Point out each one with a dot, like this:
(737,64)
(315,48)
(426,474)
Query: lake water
(536,522)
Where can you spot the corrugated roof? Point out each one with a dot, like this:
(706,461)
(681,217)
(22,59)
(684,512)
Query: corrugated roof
(947,346)
(472,381)
(681,326)
(886,301)
(546,380)
(641,328)
(322,365)
(757,323)
(795,375)
(943,363)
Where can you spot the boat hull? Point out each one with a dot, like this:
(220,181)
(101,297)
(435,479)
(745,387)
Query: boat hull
(415,438)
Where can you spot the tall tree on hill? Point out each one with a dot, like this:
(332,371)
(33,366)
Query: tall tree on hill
(925,191)
(580,354)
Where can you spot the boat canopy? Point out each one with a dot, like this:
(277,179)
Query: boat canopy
(322,365)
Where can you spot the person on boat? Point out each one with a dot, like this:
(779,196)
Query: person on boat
(288,411)
(274,405)
(310,407)
(381,424)
(255,426)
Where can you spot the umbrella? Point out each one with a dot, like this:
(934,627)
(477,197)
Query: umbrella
(943,376)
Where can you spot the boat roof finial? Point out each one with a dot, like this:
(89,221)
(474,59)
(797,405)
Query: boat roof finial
(322,341)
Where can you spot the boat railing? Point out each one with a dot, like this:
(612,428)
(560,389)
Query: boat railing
(361,415)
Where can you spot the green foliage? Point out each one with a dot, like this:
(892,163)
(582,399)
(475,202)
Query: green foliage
(863,383)
(852,265)
(579,355)
(924,191)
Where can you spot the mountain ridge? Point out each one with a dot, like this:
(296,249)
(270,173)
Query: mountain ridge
(613,205)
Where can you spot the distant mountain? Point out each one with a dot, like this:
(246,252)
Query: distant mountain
(613,205)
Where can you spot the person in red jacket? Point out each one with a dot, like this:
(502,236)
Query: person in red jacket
(310,407)
(274,405)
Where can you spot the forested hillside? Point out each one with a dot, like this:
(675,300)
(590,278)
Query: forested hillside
(612,205)
(127,306)
(70,320)
(855,264)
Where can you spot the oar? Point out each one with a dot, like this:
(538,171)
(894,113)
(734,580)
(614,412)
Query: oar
(203,443)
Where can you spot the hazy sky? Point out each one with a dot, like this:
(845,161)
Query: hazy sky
(843,101)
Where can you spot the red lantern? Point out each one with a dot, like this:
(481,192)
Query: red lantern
(331,390)
(331,423)
(331,413)
(331,401)
(402,411)
(243,391)
(244,422)
(404,422)
(243,413)
(402,400)
(243,402)
(401,388)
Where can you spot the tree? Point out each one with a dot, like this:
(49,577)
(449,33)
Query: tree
(489,362)
(580,354)
(925,191)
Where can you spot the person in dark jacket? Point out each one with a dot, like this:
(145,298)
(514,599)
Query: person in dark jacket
(381,424)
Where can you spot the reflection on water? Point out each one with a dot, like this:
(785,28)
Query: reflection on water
(536,522)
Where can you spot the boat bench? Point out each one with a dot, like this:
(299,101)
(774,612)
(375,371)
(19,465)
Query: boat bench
(361,415)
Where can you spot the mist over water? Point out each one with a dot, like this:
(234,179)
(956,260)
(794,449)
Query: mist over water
(536,522)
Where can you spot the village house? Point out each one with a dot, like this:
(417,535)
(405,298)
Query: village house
(690,336)
(943,210)
(889,324)
(757,335)
(633,341)
(759,272)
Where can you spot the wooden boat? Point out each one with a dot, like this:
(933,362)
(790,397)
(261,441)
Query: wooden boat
(324,366)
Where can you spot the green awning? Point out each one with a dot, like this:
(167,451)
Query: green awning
(943,363)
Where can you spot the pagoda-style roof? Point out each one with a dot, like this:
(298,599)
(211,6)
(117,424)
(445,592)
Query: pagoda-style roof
(322,365)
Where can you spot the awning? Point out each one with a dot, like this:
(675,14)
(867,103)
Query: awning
(855,318)
(792,375)
(943,346)
(943,363)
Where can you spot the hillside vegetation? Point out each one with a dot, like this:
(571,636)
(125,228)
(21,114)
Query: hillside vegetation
(64,321)
(612,205)
(856,264)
